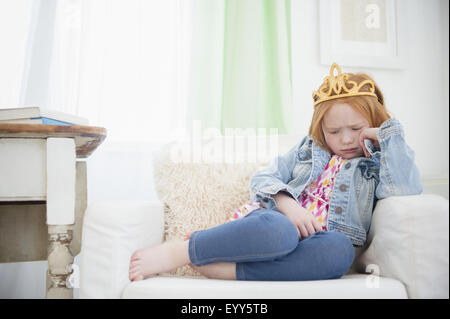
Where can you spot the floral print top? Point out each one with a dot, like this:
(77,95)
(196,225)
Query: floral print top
(315,197)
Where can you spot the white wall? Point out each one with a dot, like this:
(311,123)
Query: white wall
(417,95)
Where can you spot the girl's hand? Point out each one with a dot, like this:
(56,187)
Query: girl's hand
(305,222)
(371,134)
(302,219)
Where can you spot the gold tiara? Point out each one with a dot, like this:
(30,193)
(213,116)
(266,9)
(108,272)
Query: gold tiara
(335,87)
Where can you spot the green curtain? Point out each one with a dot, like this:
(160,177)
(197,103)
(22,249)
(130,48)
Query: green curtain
(241,64)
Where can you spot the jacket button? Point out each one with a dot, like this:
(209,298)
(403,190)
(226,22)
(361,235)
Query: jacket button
(347,166)
(338,210)
(343,187)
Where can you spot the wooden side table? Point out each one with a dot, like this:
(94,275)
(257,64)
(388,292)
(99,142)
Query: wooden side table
(43,196)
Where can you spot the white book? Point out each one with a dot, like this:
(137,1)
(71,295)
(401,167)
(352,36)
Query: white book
(36,114)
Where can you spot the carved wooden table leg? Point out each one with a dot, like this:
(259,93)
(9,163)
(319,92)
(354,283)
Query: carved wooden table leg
(60,260)
(60,215)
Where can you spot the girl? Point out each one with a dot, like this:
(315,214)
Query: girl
(310,206)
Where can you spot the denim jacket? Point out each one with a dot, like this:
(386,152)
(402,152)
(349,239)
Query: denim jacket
(390,171)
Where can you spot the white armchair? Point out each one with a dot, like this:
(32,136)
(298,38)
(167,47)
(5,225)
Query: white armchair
(406,255)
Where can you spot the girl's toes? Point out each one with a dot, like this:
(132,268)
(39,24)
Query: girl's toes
(135,270)
(134,274)
(133,267)
(135,256)
(188,236)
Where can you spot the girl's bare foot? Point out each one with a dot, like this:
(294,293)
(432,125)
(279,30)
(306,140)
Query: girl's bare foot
(162,258)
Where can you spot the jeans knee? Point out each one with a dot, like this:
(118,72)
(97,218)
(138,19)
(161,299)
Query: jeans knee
(283,230)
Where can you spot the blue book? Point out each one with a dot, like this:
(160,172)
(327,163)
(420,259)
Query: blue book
(38,115)
(46,120)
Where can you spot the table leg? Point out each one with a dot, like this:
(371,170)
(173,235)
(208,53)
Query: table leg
(60,260)
(61,175)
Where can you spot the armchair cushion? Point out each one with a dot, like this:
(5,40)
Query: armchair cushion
(408,240)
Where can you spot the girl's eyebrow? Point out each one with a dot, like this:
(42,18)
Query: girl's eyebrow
(335,128)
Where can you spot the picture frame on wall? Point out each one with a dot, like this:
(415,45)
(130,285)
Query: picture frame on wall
(363,33)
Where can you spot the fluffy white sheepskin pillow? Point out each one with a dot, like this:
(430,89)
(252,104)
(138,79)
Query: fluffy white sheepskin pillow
(199,195)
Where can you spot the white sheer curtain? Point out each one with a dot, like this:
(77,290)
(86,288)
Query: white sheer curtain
(122,64)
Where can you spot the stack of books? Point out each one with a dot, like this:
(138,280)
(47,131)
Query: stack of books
(38,115)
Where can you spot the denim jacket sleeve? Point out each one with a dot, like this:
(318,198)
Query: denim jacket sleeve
(398,175)
(275,177)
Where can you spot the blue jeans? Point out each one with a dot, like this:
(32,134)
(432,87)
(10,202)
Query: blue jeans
(265,246)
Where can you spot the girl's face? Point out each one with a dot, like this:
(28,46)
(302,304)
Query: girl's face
(341,126)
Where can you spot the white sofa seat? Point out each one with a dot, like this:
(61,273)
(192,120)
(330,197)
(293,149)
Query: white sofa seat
(411,258)
(354,286)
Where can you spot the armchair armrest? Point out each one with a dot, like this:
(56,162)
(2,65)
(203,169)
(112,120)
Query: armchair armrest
(111,232)
(408,240)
